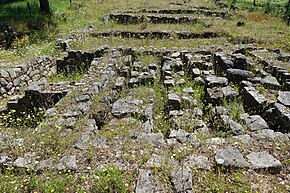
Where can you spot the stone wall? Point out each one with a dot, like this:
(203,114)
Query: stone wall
(15,79)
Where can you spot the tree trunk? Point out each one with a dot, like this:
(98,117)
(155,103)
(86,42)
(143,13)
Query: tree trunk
(44,6)
(254,3)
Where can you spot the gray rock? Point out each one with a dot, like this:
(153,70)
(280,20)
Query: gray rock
(152,67)
(83,98)
(3,82)
(198,162)
(245,139)
(147,127)
(215,141)
(253,98)
(195,72)
(12,73)
(133,82)
(4,74)
(169,83)
(99,142)
(284,98)
(270,82)
(229,92)
(235,127)
(269,135)
(188,90)
(283,114)
(182,180)
(44,164)
(152,138)
(230,157)
(183,136)
(222,61)
(155,162)
(23,162)
(220,110)
(147,183)
(240,61)
(237,75)
(264,161)
(134,74)
(5,160)
(214,81)
(174,101)
(123,107)
(82,142)
(256,122)
(67,163)
(214,95)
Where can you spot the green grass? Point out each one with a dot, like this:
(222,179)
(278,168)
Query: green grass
(73,76)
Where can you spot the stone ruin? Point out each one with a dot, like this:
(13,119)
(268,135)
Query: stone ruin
(197,84)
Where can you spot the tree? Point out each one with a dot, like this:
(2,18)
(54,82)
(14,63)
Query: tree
(44,6)
(254,3)
(287,13)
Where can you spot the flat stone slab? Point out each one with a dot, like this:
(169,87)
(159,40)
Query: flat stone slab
(182,180)
(283,114)
(256,122)
(230,157)
(270,82)
(152,138)
(123,107)
(183,136)
(147,183)
(268,135)
(284,98)
(214,81)
(253,98)
(264,161)
(67,163)
(198,162)
(174,101)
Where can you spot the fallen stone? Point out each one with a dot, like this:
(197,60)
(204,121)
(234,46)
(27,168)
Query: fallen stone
(229,92)
(198,162)
(155,162)
(283,114)
(23,162)
(147,183)
(120,82)
(284,98)
(240,61)
(214,95)
(152,138)
(214,81)
(123,107)
(182,180)
(256,122)
(253,99)
(264,161)
(183,136)
(270,82)
(82,142)
(230,157)
(245,139)
(99,142)
(174,101)
(215,141)
(237,75)
(268,135)
(67,163)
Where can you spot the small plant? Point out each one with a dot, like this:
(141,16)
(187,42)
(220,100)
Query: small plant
(22,119)
(110,180)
